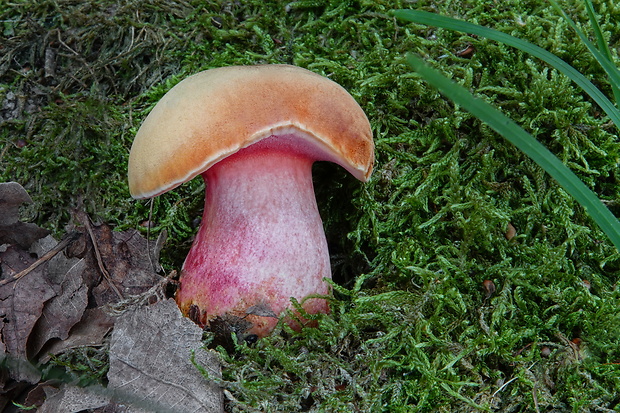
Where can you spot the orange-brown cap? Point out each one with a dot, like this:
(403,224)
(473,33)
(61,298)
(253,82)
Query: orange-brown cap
(215,113)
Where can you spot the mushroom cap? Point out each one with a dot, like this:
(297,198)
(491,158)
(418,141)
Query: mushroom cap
(215,113)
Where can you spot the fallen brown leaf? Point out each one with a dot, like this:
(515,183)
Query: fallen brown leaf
(127,259)
(21,304)
(151,354)
(12,231)
(73,399)
(58,296)
(89,331)
(63,311)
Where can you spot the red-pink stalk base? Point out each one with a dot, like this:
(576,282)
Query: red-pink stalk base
(261,240)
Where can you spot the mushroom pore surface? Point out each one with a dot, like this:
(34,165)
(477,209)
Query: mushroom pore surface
(261,240)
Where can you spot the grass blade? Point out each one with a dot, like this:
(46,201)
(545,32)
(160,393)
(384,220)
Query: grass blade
(433,19)
(596,28)
(602,53)
(526,143)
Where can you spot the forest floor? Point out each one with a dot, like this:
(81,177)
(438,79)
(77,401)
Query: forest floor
(465,278)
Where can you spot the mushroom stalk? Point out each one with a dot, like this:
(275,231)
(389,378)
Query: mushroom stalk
(261,240)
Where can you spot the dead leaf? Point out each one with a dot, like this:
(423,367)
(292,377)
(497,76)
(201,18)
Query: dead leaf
(36,395)
(125,258)
(66,308)
(10,392)
(150,369)
(21,303)
(150,361)
(44,300)
(62,312)
(12,230)
(73,399)
(89,331)
(12,195)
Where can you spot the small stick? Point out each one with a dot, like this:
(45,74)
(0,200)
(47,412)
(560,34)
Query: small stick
(86,221)
(67,239)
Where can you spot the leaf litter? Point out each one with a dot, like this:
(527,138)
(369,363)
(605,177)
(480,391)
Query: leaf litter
(95,288)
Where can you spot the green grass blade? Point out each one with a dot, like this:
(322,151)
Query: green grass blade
(433,19)
(601,53)
(526,143)
(598,33)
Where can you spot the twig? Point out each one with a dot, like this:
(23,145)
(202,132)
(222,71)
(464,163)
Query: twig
(65,44)
(86,222)
(67,239)
(504,385)
(77,56)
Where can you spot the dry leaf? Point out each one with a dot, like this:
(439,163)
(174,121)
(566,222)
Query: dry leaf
(10,392)
(66,308)
(150,369)
(73,399)
(62,312)
(21,303)
(261,310)
(12,230)
(89,331)
(125,258)
(150,361)
(44,295)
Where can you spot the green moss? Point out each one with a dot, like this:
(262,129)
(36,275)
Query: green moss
(83,366)
(411,327)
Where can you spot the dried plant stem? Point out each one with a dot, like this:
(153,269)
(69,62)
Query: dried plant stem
(86,222)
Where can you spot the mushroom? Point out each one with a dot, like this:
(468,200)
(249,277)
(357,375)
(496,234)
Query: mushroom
(253,133)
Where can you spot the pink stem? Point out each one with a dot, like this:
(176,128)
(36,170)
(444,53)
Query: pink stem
(261,240)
